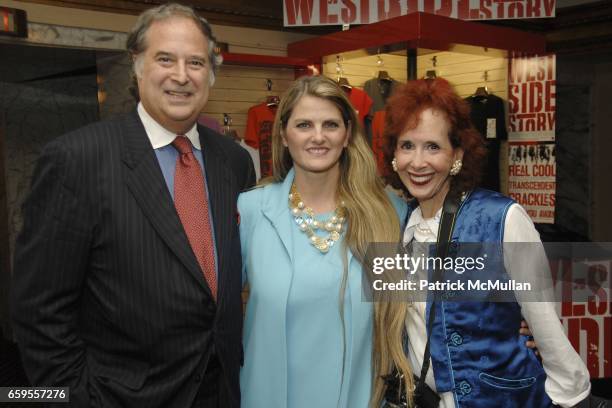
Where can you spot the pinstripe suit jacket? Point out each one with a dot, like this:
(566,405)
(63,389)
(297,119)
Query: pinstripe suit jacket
(108,297)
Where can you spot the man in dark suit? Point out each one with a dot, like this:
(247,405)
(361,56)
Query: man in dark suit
(127,271)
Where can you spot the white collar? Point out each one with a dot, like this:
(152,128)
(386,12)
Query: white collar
(160,136)
(416,218)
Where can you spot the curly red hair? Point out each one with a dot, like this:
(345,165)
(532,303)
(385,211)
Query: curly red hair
(403,111)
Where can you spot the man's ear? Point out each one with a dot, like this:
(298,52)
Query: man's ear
(136,64)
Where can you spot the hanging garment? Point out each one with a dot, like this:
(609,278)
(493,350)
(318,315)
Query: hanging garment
(489,118)
(258,134)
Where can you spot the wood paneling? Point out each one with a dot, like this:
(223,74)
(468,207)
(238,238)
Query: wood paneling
(359,66)
(239,87)
(261,14)
(467,72)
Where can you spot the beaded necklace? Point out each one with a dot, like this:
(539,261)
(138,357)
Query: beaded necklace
(305,219)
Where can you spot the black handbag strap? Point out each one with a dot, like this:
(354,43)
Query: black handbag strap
(445,231)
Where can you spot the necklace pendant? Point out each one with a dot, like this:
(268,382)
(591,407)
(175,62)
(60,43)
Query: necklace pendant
(322,246)
(305,219)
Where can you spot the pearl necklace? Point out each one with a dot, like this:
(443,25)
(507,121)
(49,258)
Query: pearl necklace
(306,222)
(423,230)
(423,227)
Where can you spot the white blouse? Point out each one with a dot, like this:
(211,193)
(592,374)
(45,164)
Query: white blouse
(567,378)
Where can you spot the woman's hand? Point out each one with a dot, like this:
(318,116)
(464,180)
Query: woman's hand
(524,330)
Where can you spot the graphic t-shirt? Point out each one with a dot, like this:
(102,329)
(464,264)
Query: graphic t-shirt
(258,134)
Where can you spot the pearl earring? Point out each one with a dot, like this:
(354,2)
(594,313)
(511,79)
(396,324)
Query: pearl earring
(456,167)
(394,164)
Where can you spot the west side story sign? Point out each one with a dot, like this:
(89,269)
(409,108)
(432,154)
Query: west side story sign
(532,168)
(338,12)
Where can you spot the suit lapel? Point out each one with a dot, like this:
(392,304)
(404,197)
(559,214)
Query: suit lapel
(222,200)
(146,182)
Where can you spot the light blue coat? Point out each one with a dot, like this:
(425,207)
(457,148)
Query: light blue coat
(268,250)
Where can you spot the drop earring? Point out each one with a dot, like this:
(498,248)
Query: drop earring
(394,165)
(456,167)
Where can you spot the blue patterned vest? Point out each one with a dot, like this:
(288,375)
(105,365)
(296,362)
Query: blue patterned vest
(476,349)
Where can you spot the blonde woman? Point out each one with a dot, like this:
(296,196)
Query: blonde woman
(304,233)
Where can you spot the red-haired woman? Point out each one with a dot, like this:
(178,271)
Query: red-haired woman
(477,357)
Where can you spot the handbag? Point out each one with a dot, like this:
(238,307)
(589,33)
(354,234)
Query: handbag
(424,396)
(395,398)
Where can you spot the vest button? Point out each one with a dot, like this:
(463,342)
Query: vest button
(456,339)
(464,388)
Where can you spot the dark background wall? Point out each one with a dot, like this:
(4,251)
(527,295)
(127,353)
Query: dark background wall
(584,145)
(44,93)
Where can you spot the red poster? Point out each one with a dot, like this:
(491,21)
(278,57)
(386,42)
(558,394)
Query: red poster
(585,311)
(531,121)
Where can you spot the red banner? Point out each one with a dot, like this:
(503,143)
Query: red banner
(588,324)
(532,98)
(531,121)
(5,21)
(337,12)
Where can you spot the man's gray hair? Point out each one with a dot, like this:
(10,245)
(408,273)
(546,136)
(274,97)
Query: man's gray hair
(136,41)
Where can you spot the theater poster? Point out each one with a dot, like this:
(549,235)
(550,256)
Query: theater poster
(583,285)
(531,137)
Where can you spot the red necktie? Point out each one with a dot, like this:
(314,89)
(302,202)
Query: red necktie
(192,207)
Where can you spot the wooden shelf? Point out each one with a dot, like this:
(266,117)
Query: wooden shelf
(267,60)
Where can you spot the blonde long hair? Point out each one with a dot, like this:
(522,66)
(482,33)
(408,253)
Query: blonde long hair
(389,326)
(371,215)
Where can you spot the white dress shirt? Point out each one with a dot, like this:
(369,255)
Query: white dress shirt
(161,139)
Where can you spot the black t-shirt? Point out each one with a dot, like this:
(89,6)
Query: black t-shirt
(489,118)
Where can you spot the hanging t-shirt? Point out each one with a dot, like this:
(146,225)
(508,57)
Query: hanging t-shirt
(258,134)
(379,91)
(378,140)
(360,101)
(254,153)
(489,118)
